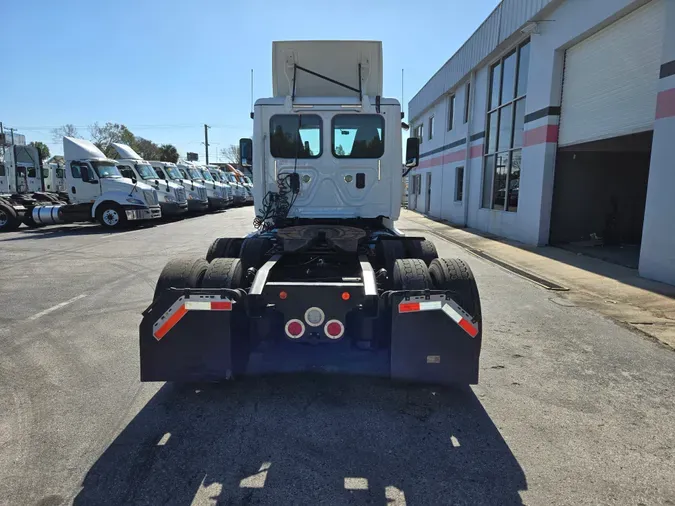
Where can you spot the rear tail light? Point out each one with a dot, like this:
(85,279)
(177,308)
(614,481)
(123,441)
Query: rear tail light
(295,329)
(334,329)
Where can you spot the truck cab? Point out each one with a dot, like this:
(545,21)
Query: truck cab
(21,170)
(97,190)
(240,191)
(172,199)
(219,176)
(215,192)
(197,200)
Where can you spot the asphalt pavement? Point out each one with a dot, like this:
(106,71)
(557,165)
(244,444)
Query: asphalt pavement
(571,408)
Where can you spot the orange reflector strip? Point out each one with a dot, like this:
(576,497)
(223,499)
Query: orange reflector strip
(170,322)
(225,305)
(468,328)
(408,307)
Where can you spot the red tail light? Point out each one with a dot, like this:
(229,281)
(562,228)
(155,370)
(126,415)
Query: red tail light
(334,329)
(295,329)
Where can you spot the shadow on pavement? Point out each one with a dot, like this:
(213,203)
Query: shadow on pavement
(294,440)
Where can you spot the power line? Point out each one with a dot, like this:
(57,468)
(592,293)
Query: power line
(136,127)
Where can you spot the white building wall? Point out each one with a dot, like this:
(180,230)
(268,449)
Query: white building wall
(657,254)
(566,23)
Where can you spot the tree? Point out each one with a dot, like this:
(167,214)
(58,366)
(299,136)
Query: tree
(67,130)
(104,136)
(44,150)
(168,153)
(231,154)
(147,149)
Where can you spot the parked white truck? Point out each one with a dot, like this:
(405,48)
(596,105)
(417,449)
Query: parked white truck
(197,200)
(215,192)
(172,199)
(96,192)
(327,283)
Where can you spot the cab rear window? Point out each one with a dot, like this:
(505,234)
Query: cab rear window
(295,135)
(358,136)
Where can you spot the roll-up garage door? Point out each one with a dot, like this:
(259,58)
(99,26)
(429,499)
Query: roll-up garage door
(611,78)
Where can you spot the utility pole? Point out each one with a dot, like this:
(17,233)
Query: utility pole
(206,141)
(2,136)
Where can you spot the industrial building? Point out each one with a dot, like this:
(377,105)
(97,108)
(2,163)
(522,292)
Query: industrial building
(553,124)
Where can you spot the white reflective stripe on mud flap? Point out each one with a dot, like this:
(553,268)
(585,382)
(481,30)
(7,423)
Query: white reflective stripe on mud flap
(197,305)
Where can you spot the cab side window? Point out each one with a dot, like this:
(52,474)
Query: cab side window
(126,172)
(160,173)
(32,172)
(2,170)
(75,170)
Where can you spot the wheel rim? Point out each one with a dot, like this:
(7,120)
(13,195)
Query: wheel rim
(3,218)
(111,217)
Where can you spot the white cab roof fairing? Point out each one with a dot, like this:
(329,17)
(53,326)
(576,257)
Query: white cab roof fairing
(126,152)
(80,149)
(336,59)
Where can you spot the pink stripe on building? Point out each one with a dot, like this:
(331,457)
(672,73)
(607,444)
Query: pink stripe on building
(540,135)
(665,104)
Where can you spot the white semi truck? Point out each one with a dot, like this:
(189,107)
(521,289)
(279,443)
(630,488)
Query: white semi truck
(172,198)
(215,192)
(197,199)
(96,192)
(326,283)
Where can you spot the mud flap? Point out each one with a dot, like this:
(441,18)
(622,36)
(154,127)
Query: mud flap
(185,335)
(433,340)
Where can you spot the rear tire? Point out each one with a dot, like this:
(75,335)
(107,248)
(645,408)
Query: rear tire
(184,272)
(223,273)
(388,251)
(410,274)
(9,221)
(455,275)
(424,250)
(254,252)
(224,247)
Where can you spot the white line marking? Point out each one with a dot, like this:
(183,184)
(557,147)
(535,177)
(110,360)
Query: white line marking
(164,439)
(356,483)
(454,441)
(54,308)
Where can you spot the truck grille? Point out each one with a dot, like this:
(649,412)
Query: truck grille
(202,193)
(180,194)
(151,197)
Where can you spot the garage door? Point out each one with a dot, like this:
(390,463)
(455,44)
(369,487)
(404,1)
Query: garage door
(611,78)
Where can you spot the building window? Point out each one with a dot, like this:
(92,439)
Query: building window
(459,184)
(505,126)
(451,112)
(416,184)
(431,128)
(419,132)
(467,98)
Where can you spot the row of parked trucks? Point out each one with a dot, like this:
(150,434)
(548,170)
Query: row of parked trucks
(90,187)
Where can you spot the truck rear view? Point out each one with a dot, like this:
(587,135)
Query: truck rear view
(326,283)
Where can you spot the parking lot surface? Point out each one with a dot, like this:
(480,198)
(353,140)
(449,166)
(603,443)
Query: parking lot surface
(571,408)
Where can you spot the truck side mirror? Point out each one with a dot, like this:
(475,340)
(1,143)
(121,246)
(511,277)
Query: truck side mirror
(412,152)
(246,152)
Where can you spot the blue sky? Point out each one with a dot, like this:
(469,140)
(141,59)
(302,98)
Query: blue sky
(166,67)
